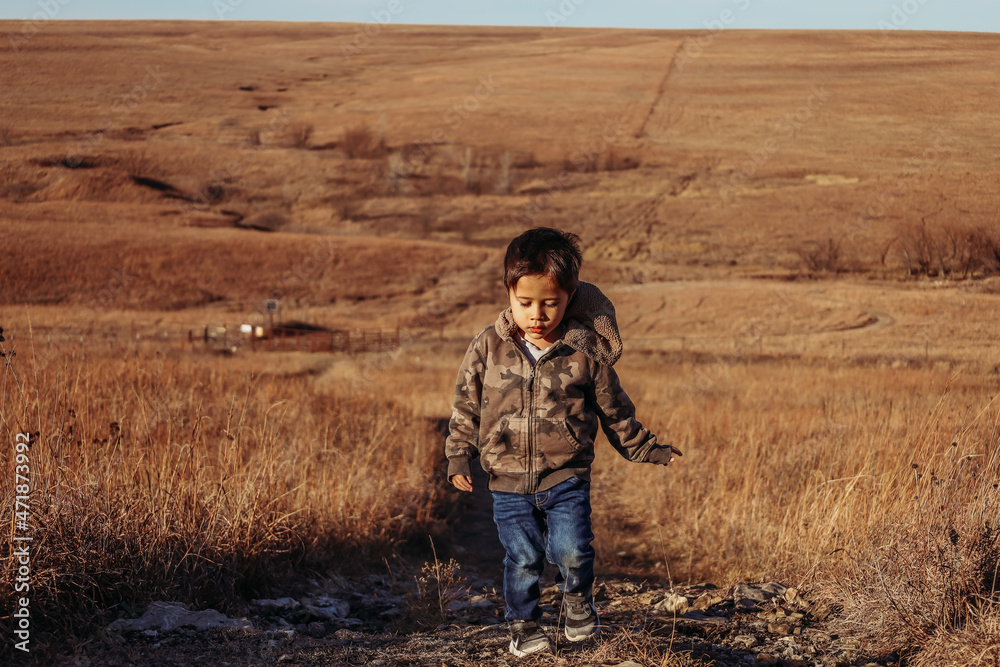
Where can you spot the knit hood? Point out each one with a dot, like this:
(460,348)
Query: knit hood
(591,326)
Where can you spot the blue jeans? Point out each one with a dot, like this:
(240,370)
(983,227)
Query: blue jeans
(554,525)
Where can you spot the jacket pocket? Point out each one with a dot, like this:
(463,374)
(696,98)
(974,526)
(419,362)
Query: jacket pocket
(504,452)
(555,443)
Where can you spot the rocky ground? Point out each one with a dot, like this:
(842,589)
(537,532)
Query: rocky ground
(449,613)
(386,620)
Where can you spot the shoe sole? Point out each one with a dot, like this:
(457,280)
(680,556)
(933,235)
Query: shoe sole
(520,654)
(581,638)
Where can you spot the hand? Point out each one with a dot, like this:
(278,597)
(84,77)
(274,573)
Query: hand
(663,454)
(462,482)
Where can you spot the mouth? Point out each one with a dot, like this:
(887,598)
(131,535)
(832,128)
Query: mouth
(536,330)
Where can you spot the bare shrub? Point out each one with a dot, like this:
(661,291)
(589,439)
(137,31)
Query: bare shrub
(820,256)
(19,190)
(360,142)
(271,221)
(503,178)
(470,171)
(409,162)
(8,135)
(487,169)
(299,133)
(135,163)
(951,249)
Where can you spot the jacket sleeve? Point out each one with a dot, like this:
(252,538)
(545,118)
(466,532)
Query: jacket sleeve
(463,429)
(617,415)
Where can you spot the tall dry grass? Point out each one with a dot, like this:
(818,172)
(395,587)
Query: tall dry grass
(192,477)
(872,486)
(156,475)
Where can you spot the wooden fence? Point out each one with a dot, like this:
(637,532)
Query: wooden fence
(284,339)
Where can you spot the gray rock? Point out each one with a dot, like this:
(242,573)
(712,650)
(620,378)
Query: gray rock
(281,604)
(780,628)
(704,601)
(759,592)
(327,608)
(702,617)
(165,616)
(480,601)
(751,596)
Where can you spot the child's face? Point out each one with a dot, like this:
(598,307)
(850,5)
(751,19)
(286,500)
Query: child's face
(538,305)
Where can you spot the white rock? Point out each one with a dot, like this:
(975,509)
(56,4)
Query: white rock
(164,616)
(674,604)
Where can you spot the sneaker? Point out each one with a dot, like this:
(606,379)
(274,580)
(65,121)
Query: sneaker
(581,617)
(526,637)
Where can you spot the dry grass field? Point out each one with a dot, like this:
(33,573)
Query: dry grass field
(800,232)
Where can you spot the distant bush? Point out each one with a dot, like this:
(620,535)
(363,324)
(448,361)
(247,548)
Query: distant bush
(361,142)
(822,256)
(949,250)
(134,163)
(299,134)
(265,222)
(8,136)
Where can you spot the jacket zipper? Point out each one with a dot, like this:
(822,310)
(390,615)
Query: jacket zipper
(532,483)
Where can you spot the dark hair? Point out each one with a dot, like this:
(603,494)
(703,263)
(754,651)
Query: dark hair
(544,251)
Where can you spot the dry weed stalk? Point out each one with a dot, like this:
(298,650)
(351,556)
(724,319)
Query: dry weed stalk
(438,585)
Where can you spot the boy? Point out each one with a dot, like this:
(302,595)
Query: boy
(529,396)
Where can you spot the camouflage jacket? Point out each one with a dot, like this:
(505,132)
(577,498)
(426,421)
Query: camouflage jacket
(533,426)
